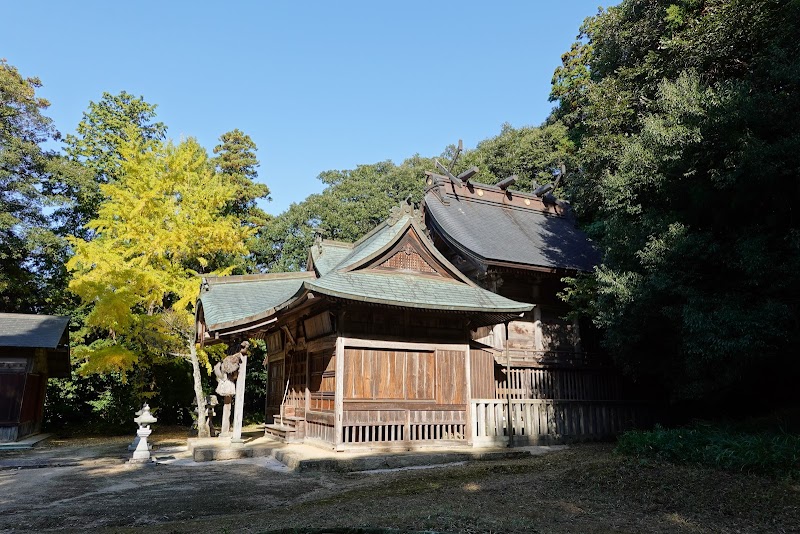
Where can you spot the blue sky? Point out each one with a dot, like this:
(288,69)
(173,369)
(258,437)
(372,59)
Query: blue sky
(317,85)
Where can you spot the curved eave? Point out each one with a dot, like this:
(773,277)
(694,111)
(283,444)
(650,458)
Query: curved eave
(416,305)
(486,262)
(213,331)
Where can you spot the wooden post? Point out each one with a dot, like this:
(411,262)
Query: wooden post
(509,425)
(238,408)
(538,341)
(468,379)
(307,406)
(338,408)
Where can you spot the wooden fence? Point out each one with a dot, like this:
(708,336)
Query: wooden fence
(542,421)
(566,384)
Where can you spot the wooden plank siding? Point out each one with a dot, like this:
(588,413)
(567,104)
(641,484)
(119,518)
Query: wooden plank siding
(482,367)
(322,386)
(406,394)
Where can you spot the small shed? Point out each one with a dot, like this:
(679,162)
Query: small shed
(33,348)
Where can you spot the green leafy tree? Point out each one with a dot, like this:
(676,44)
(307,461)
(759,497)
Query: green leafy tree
(684,117)
(352,203)
(161,224)
(237,162)
(32,278)
(535,154)
(97,145)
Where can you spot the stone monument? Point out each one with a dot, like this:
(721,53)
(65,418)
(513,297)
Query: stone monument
(142,452)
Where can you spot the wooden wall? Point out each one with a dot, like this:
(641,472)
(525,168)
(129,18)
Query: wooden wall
(403,394)
(418,326)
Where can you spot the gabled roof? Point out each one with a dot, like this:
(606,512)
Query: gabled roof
(31,331)
(325,255)
(507,228)
(355,277)
(364,272)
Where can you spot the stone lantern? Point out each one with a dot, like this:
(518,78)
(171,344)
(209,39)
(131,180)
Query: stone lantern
(142,452)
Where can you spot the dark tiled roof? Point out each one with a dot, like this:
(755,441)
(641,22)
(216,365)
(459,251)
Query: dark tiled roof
(34,331)
(494,231)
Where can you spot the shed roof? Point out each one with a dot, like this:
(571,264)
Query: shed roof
(31,331)
(497,227)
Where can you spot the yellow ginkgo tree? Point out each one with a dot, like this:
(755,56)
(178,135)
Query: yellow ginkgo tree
(161,224)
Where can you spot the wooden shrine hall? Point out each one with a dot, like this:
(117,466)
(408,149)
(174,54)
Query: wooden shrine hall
(439,327)
(33,348)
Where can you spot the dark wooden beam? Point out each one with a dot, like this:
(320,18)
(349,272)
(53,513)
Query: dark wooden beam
(445,170)
(469,173)
(507,182)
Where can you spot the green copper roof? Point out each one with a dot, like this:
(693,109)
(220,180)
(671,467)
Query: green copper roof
(405,289)
(239,299)
(345,273)
(327,255)
(413,291)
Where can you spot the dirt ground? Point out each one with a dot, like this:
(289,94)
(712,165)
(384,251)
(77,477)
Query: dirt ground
(77,484)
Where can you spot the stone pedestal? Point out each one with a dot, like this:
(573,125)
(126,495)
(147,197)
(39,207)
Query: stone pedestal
(142,452)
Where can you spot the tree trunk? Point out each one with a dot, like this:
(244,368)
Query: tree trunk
(202,423)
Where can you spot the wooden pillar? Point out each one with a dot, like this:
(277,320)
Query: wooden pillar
(338,408)
(538,341)
(308,383)
(576,335)
(468,380)
(225,431)
(509,424)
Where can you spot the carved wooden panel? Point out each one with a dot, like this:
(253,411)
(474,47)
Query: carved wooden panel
(408,260)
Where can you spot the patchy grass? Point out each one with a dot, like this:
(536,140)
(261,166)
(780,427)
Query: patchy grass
(586,488)
(770,453)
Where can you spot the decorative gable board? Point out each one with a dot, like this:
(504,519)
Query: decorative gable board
(409,255)
(408,259)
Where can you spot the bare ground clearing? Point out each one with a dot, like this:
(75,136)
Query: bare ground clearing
(585,488)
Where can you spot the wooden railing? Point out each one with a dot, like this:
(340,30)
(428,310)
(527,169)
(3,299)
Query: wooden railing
(320,431)
(564,358)
(392,433)
(539,421)
(560,383)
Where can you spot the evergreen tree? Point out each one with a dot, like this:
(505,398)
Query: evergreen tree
(32,278)
(236,161)
(685,118)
